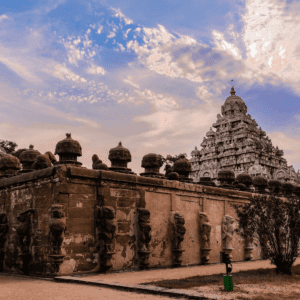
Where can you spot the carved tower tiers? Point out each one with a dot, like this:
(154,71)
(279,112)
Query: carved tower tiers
(237,144)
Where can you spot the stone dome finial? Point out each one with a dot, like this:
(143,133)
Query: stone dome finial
(120,157)
(232,92)
(27,158)
(9,166)
(68,150)
(152,162)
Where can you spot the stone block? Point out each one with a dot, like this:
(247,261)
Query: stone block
(124,227)
(43,189)
(104,191)
(150,181)
(78,212)
(61,198)
(82,197)
(80,172)
(72,188)
(111,201)
(76,248)
(120,192)
(80,225)
(82,203)
(125,239)
(43,201)
(109,175)
(126,202)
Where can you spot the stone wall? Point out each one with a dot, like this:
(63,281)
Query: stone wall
(81,190)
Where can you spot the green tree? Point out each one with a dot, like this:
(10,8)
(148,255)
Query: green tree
(275,223)
(8,146)
(169,160)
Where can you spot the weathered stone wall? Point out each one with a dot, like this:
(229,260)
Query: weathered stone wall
(81,189)
(161,197)
(18,194)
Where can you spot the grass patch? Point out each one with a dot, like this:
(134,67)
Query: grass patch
(257,276)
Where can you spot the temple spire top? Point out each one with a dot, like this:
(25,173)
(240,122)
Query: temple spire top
(232,92)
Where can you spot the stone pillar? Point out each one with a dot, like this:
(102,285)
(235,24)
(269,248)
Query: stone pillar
(227,234)
(144,237)
(24,231)
(179,230)
(248,247)
(57,228)
(204,229)
(105,228)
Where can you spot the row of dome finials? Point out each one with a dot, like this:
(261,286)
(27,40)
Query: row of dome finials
(68,150)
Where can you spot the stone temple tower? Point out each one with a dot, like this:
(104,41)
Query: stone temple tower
(237,144)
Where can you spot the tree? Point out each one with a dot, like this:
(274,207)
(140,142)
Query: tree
(169,160)
(8,146)
(275,223)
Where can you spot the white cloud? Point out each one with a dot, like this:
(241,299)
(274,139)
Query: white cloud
(96,70)
(121,16)
(63,73)
(4,17)
(129,80)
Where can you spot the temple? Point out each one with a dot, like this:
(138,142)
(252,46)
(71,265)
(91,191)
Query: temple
(238,145)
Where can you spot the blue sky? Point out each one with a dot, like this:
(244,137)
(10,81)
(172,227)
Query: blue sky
(152,74)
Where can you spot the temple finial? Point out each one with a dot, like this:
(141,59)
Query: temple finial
(232,92)
(120,144)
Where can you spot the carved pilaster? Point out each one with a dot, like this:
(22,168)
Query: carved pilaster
(179,230)
(105,228)
(57,228)
(24,231)
(144,236)
(248,247)
(227,234)
(204,229)
(3,236)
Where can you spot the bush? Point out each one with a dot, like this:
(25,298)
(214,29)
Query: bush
(275,220)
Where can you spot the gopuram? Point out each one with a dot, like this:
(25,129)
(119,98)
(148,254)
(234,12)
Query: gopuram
(238,145)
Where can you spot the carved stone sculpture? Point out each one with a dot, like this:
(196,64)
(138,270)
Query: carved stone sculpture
(179,230)
(24,231)
(57,227)
(97,163)
(3,237)
(43,161)
(169,170)
(144,236)
(205,229)
(105,228)
(227,233)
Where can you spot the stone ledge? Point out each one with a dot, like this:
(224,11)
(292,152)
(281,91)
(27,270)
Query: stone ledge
(34,175)
(80,172)
(225,192)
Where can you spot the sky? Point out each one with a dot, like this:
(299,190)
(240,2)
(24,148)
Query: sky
(152,74)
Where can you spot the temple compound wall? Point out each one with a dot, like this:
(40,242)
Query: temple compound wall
(67,219)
